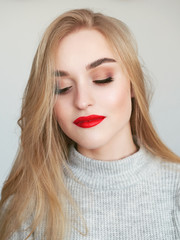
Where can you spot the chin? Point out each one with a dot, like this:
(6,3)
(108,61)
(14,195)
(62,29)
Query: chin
(91,144)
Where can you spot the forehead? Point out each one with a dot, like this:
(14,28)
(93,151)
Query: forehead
(82,47)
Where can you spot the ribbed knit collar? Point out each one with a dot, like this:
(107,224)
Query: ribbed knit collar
(111,174)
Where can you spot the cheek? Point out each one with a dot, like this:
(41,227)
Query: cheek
(56,110)
(119,100)
(63,116)
(60,114)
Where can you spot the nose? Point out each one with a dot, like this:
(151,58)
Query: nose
(83,97)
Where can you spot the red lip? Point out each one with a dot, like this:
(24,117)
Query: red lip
(88,121)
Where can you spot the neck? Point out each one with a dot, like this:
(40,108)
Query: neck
(113,150)
(103,175)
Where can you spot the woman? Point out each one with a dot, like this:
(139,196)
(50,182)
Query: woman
(90,164)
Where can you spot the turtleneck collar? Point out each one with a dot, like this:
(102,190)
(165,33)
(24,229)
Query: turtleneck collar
(115,174)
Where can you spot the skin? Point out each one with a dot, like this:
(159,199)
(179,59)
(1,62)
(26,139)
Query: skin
(112,138)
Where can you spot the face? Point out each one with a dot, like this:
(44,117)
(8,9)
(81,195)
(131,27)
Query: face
(93,105)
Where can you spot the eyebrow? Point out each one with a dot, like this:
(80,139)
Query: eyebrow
(99,62)
(59,73)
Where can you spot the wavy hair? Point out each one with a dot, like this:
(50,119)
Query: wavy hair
(35,187)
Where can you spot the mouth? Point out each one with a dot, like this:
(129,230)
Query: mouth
(88,121)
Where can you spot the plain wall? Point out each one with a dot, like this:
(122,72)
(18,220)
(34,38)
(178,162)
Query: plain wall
(156,27)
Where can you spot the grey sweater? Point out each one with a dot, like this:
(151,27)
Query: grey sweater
(136,198)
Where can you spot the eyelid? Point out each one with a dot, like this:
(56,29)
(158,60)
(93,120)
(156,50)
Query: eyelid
(63,90)
(106,80)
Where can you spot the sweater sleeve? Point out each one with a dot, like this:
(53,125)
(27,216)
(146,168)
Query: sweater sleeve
(176,211)
(22,233)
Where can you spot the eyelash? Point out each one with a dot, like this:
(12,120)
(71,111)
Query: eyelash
(65,90)
(61,91)
(103,81)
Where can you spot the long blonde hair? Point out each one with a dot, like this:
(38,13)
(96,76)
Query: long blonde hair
(35,188)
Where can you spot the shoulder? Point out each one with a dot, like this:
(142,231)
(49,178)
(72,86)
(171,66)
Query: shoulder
(170,168)
(167,173)
(163,166)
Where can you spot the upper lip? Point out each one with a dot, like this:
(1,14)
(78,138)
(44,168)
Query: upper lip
(88,118)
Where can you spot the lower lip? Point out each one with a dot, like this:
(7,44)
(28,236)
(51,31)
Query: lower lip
(89,123)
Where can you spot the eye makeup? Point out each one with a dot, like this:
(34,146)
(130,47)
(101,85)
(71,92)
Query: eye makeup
(99,76)
(100,82)
(63,85)
(62,91)
(103,81)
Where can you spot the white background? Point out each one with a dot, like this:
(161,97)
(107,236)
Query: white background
(156,26)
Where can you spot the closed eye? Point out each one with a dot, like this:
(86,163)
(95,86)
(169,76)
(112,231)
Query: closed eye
(107,80)
(62,91)
(65,90)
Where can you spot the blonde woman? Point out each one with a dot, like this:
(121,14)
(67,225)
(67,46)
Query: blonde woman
(90,164)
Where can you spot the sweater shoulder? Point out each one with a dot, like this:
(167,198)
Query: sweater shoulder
(168,172)
(167,166)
